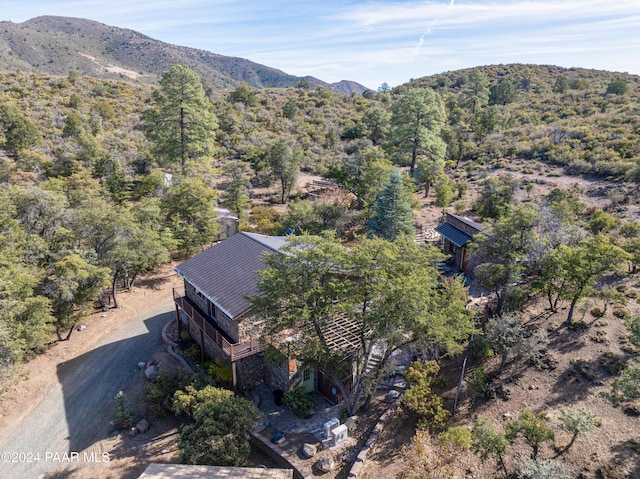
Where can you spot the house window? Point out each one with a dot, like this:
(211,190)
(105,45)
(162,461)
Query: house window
(200,295)
(453,249)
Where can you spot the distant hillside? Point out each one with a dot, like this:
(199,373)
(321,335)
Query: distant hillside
(56,45)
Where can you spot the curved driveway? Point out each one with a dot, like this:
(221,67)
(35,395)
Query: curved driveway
(75,413)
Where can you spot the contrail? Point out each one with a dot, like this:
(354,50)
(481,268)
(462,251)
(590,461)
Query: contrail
(416,50)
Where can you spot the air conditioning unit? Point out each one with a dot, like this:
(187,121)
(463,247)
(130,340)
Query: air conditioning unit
(329,426)
(339,435)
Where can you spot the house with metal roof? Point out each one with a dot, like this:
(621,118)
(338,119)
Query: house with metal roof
(456,233)
(214,305)
(215,309)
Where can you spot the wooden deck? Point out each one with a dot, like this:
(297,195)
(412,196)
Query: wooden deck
(234,351)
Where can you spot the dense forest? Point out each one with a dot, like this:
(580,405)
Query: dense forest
(103,180)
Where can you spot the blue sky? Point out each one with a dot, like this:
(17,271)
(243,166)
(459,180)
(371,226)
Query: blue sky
(372,42)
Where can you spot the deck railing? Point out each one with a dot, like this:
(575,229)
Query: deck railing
(234,351)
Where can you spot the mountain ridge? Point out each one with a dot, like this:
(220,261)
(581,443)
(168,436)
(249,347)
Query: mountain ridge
(55,45)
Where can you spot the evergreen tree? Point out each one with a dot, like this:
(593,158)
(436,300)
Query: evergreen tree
(417,120)
(182,124)
(122,411)
(285,166)
(392,215)
(477,93)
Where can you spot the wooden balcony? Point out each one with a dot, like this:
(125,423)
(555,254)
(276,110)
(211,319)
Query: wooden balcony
(234,351)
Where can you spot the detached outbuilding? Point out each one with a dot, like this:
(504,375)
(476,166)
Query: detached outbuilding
(456,233)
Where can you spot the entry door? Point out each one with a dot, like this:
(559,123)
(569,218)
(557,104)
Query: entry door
(307,380)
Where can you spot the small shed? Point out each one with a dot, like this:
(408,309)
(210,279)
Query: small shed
(456,233)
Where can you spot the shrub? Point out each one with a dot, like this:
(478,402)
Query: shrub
(122,411)
(158,395)
(480,348)
(187,401)
(219,371)
(419,397)
(477,385)
(299,401)
(457,436)
(533,428)
(627,387)
(621,312)
(218,435)
(193,353)
(597,312)
(544,469)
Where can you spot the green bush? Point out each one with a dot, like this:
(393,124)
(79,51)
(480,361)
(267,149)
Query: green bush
(187,401)
(621,312)
(218,370)
(477,385)
(597,312)
(299,401)
(480,348)
(158,395)
(218,435)
(420,399)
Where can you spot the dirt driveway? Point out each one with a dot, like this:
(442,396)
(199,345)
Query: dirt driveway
(58,417)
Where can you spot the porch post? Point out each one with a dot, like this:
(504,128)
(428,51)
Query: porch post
(178,322)
(234,374)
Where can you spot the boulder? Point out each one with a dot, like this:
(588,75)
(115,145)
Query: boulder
(309,450)
(151,372)
(351,422)
(326,464)
(141,365)
(142,426)
(82,327)
(392,395)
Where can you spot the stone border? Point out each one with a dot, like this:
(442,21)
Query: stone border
(169,345)
(358,464)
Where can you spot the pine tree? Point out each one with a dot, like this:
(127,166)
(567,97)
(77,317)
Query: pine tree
(182,125)
(392,215)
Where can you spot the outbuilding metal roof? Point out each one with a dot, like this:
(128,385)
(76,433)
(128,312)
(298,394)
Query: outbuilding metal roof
(227,272)
(453,234)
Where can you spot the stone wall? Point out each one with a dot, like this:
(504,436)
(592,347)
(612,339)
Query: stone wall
(249,327)
(250,371)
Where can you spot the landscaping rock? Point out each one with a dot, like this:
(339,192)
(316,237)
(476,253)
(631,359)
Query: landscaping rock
(326,464)
(151,372)
(309,450)
(143,426)
(350,422)
(392,395)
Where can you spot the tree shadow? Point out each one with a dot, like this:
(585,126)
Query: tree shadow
(91,381)
(627,455)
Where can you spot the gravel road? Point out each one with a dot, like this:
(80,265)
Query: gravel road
(74,415)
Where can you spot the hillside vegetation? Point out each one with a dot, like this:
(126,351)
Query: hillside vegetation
(95,190)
